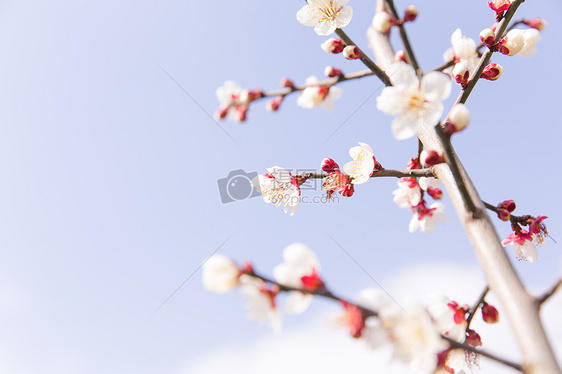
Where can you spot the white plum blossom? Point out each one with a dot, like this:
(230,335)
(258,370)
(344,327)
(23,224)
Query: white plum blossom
(408,193)
(416,338)
(280,188)
(531,36)
(463,50)
(523,246)
(425,217)
(220,274)
(299,270)
(415,102)
(261,305)
(373,332)
(322,96)
(361,168)
(230,105)
(325,15)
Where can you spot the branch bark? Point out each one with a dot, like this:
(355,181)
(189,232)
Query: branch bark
(520,308)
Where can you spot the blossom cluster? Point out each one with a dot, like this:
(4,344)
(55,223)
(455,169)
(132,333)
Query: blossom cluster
(282,189)
(411,194)
(524,242)
(414,332)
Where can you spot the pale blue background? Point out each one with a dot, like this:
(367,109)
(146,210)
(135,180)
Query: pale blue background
(108,193)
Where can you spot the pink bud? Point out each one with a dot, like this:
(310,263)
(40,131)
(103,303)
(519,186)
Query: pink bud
(333,46)
(331,71)
(499,5)
(461,73)
(351,52)
(435,193)
(383,22)
(458,118)
(413,164)
(286,82)
(504,215)
(241,111)
(221,113)
(247,96)
(492,72)
(429,157)
(512,43)
(329,165)
(508,205)
(487,37)
(273,105)
(410,13)
(490,314)
(401,55)
(536,23)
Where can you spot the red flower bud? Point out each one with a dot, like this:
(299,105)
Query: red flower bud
(490,314)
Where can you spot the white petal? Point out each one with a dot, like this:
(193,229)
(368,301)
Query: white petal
(391,100)
(530,251)
(297,302)
(437,83)
(402,74)
(304,16)
(404,127)
(414,223)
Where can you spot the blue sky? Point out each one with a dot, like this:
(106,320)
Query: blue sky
(109,198)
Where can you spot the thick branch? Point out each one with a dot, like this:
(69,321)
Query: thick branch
(520,307)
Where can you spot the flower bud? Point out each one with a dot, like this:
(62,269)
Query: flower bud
(286,82)
(333,45)
(429,157)
(487,37)
(247,96)
(492,72)
(413,164)
(508,205)
(490,314)
(499,5)
(273,105)
(536,23)
(461,73)
(458,118)
(401,55)
(512,43)
(410,13)
(435,193)
(383,22)
(221,113)
(241,111)
(332,72)
(329,165)
(504,215)
(351,52)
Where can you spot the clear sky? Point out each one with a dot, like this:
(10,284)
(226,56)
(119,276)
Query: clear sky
(109,198)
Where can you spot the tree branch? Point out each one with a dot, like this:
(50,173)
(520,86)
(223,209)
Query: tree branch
(520,307)
(551,291)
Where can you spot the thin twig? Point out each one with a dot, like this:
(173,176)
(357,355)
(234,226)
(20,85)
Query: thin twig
(551,291)
(512,218)
(404,37)
(476,306)
(366,59)
(416,173)
(325,82)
